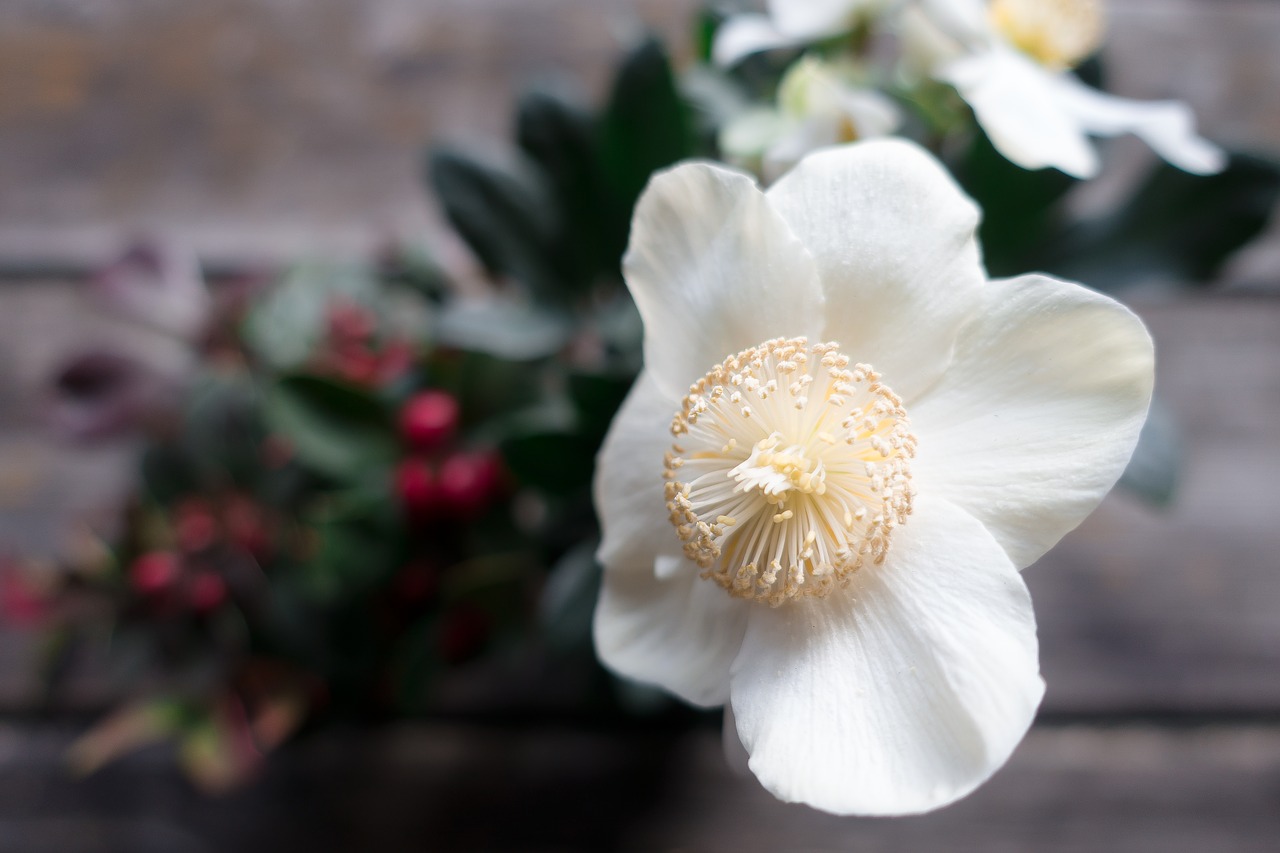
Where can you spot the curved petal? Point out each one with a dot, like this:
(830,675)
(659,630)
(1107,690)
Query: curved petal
(965,21)
(656,620)
(901,693)
(1039,413)
(743,35)
(810,20)
(1017,105)
(893,239)
(680,633)
(628,479)
(1169,127)
(714,270)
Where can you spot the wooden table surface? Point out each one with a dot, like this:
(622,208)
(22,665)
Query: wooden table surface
(268,129)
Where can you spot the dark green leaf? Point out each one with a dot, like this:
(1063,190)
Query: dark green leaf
(596,397)
(336,429)
(1178,228)
(1017,205)
(355,557)
(704,33)
(413,267)
(507,330)
(646,124)
(561,139)
(556,462)
(505,217)
(487,387)
(284,326)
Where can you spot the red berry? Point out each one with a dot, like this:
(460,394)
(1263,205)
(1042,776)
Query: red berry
(207,592)
(468,482)
(417,488)
(155,573)
(349,322)
(429,419)
(195,526)
(246,527)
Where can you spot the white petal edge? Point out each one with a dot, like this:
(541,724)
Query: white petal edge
(1039,413)
(893,239)
(656,621)
(742,35)
(1169,127)
(714,270)
(811,20)
(1018,105)
(903,692)
(628,477)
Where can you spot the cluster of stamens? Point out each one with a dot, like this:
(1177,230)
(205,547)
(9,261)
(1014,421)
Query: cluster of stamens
(1056,33)
(789,470)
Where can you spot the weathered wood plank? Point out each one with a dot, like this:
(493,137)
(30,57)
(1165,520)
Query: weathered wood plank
(1179,610)
(454,788)
(270,128)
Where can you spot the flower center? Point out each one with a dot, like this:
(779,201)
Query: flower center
(790,470)
(1056,33)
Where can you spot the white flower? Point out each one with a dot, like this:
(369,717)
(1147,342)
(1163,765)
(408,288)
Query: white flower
(790,23)
(1010,61)
(819,104)
(882,491)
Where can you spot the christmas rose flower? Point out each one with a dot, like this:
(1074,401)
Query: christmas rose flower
(819,104)
(1010,60)
(790,23)
(844,445)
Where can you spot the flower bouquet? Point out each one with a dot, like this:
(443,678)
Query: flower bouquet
(773,431)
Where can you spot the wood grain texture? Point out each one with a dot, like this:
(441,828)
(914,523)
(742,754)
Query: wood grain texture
(1066,790)
(266,128)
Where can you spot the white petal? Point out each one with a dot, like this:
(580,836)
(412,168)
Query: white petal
(749,134)
(743,35)
(802,138)
(901,693)
(1039,413)
(628,479)
(1169,127)
(656,620)
(1017,104)
(714,270)
(871,113)
(811,20)
(965,21)
(680,633)
(893,239)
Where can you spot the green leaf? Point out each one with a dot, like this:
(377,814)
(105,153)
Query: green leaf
(1018,205)
(486,386)
(646,125)
(356,556)
(556,462)
(505,217)
(507,330)
(1156,464)
(284,327)
(560,138)
(596,397)
(335,429)
(1178,228)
